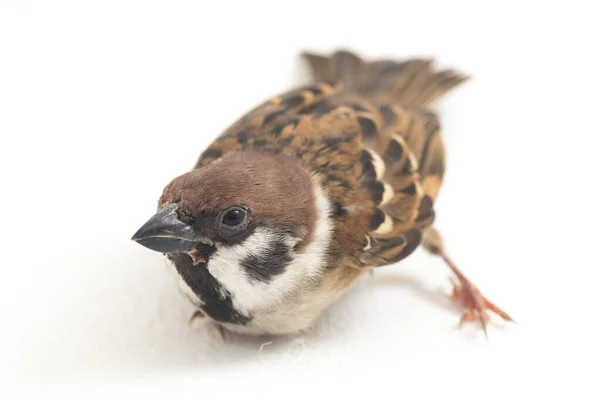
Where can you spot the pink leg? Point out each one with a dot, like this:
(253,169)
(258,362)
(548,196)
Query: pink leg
(468,297)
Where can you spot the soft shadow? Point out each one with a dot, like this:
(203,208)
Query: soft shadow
(124,322)
(436,298)
(128,318)
(441,300)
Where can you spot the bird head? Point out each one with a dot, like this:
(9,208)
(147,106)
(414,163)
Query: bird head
(234,228)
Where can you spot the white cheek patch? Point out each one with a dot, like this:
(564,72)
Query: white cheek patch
(250,295)
(225,265)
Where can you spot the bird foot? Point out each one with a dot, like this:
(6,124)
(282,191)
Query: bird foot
(475,306)
(196,315)
(468,297)
(199,314)
(221,331)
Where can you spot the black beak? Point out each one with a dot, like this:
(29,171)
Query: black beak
(165,233)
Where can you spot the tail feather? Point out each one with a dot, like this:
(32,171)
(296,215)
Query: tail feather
(411,84)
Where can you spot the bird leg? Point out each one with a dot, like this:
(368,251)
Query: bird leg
(465,294)
(199,314)
(468,297)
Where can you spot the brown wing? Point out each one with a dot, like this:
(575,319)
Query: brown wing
(401,191)
(404,156)
(269,125)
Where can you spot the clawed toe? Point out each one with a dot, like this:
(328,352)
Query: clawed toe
(474,305)
(196,315)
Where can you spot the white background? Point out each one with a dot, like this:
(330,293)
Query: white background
(103,103)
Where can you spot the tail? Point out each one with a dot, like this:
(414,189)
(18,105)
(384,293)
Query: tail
(411,84)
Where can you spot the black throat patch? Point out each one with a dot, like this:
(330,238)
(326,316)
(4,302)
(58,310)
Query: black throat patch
(217,300)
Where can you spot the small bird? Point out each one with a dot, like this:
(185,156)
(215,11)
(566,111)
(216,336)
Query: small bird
(307,192)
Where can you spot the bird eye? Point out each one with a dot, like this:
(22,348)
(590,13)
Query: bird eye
(234,216)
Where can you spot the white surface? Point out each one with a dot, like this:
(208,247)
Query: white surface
(102,104)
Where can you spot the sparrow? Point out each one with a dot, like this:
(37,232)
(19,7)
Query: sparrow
(307,192)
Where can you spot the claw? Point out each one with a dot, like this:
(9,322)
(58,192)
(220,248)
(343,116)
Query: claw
(199,314)
(483,322)
(470,299)
(492,307)
(469,316)
(195,315)
(221,330)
